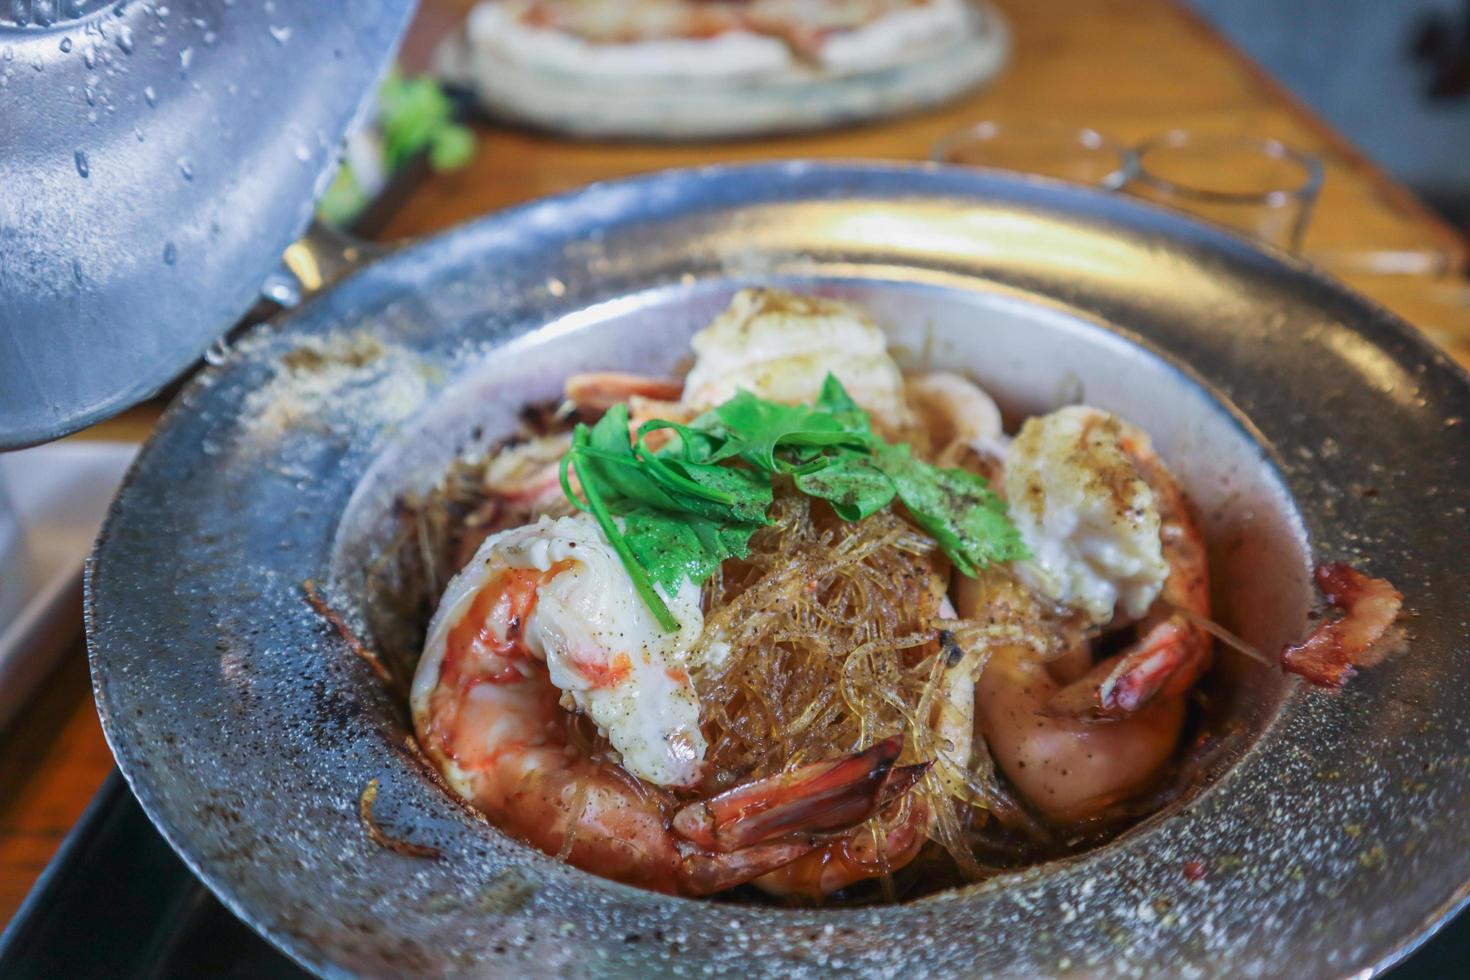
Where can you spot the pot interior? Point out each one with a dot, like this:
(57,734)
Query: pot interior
(1031,357)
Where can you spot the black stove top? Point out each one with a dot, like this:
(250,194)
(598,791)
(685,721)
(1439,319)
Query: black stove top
(117,902)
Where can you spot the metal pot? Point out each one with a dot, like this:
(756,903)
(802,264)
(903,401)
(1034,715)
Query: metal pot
(1307,423)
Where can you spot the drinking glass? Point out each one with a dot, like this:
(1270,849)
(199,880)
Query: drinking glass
(1257,186)
(1072,153)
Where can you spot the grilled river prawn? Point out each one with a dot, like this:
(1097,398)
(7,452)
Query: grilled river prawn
(794,639)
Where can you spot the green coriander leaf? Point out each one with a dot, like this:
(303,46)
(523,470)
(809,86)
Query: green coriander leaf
(669,520)
(852,484)
(636,478)
(564,475)
(723,541)
(598,507)
(690,444)
(835,399)
(956,507)
(747,491)
(617,468)
(754,428)
(708,424)
(715,492)
(678,548)
(683,464)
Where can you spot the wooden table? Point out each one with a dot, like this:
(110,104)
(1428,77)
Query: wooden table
(1128,67)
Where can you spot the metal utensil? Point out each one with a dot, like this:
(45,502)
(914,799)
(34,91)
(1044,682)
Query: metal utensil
(1306,422)
(156,160)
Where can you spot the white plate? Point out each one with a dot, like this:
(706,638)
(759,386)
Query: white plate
(57,495)
(796,100)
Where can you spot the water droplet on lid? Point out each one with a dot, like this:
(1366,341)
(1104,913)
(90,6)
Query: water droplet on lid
(186,168)
(218,352)
(282,289)
(90,94)
(303,152)
(65,45)
(89,56)
(125,39)
(76,269)
(83,167)
(138,133)
(281,34)
(185,57)
(170,253)
(149,95)
(8,54)
(210,39)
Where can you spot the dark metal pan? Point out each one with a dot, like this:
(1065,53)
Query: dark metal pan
(1307,423)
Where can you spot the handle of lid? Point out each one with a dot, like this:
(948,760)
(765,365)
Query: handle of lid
(321,257)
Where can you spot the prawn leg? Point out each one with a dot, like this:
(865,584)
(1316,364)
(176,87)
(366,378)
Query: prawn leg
(1167,660)
(703,873)
(820,797)
(865,853)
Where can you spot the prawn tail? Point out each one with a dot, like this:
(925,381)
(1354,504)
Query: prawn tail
(821,797)
(597,391)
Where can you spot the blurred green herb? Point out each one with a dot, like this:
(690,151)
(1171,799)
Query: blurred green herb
(413,116)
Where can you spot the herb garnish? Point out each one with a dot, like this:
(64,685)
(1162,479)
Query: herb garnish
(676,512)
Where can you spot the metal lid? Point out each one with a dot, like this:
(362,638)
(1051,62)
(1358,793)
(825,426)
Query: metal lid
(155,160)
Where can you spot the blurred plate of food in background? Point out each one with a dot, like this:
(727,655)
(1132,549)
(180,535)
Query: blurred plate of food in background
(683,69)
